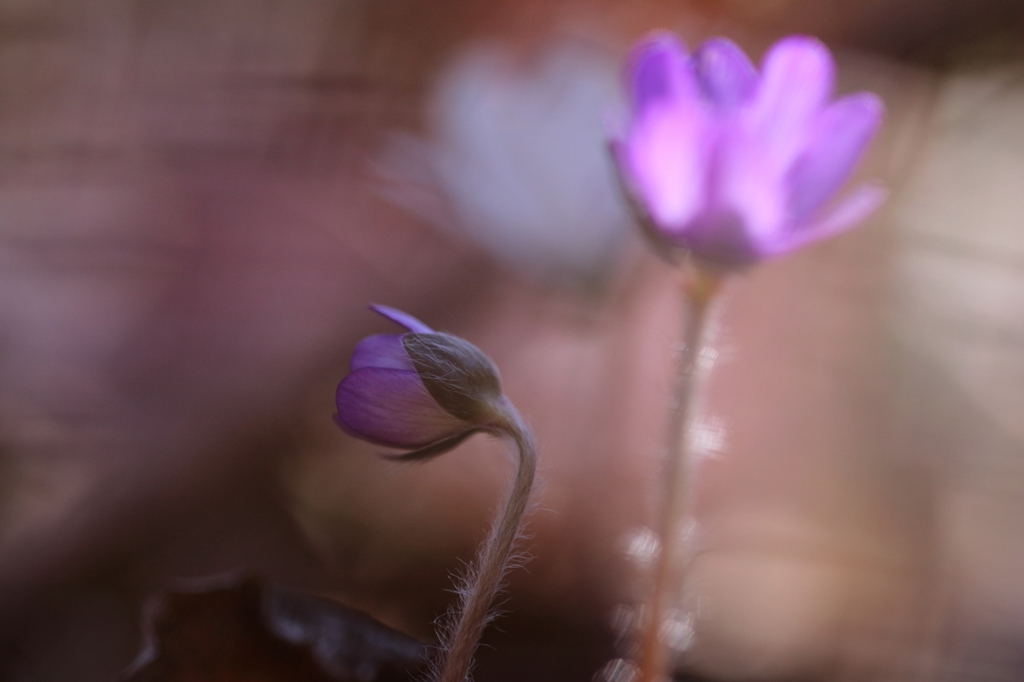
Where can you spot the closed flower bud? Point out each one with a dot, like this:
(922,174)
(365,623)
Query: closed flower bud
(421,391)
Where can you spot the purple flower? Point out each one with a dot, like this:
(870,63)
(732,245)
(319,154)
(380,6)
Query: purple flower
(422,391)
(737,166)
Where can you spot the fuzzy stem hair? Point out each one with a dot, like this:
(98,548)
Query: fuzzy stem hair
(493,560)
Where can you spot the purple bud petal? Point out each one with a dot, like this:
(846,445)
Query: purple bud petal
(659,70)
(796,81)
(392,407)
(381,350)
(726,77)
(836,144)
(404,319)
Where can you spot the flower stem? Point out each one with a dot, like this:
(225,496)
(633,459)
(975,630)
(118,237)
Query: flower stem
(492,561)
(653,656)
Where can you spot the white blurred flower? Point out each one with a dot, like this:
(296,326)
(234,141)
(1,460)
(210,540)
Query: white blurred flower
(516,159)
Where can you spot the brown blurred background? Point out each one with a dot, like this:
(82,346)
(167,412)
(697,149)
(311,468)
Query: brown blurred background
(197,200)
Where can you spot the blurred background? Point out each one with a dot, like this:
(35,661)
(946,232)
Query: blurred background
(198,199)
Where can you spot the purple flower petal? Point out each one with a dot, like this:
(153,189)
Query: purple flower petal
(749,184)
(659,70)
(404,319)
(836,143)
(796,81)
(381,350)
(666,155)
(726,77)
(392,407)
(853,209)
(721,239)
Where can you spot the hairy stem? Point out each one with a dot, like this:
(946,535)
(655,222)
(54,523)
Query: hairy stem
(492,561)
(653,655)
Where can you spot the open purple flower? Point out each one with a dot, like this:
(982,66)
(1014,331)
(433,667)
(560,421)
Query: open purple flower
(737,166)
(422,391)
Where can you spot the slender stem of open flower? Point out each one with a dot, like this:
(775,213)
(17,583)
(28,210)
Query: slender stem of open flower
(653,655)
(492,561)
